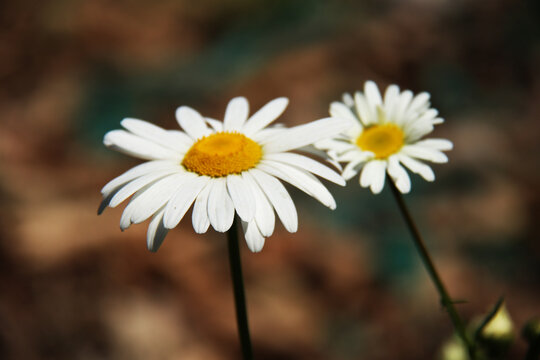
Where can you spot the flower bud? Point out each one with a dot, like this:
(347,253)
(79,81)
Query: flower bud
(500,328)
(496,335)
(454,349)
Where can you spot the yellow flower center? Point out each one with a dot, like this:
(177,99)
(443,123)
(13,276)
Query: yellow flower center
(222,154)
(382,140)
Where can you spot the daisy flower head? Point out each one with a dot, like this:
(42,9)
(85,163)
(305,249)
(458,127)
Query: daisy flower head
(221,168)
(385,134)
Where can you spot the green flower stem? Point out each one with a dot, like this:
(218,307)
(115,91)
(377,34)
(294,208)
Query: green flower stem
(238,288)
(446,300)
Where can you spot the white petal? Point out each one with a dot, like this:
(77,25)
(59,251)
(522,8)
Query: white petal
(183,198)
(306,134)
(154,133)
(356,154)
(367,174)
(373,175)
(264,212)
(437,144)
(353,167)
(418,127)
(365,112)
(419,103)
(156,232)
(220,206)
(254,238)
(300,179)
(154,197)
(429,115)
(417,167)
(329,157)
(307,164)
(143,128)
(199,218)
(279,198)
(105,202)
(192,122)
(372,94)
(335,164)
(125,219)
(337,146)
(404,101)
(236,114)
(180,137)
(215,124)
(424,153)
(416,130)
(348,100)
(136,146)
(265,116)
(424,118)
(137,184)
(135,172)
(399,175)
(261,136)
(340,110)
(241,196)
(391,97)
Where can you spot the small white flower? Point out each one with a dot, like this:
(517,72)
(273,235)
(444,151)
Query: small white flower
(221,168)
(385,133)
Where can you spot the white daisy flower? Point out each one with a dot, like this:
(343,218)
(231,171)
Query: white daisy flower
(385,133)
(221,168)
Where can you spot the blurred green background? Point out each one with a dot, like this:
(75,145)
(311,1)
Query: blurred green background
(348,285)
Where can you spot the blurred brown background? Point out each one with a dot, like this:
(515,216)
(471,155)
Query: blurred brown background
(348,285)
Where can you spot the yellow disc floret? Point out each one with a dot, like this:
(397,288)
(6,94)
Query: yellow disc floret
(222,154)
(382,140)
